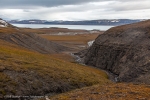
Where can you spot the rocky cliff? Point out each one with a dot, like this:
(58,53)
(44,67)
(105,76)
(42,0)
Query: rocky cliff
(124,51)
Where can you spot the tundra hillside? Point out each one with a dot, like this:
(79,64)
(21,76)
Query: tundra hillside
(28,65)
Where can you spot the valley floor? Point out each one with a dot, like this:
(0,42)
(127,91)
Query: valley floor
(28,72)
(108,91)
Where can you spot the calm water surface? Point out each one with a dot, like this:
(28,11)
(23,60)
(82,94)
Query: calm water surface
(86,27)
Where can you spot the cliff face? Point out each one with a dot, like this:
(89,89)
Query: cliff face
(124,51)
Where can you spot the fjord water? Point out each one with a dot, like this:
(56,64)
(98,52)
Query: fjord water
(86,27)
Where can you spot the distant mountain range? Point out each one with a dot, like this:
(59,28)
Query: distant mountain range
(85,22)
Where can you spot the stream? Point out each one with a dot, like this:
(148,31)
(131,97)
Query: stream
(111,76)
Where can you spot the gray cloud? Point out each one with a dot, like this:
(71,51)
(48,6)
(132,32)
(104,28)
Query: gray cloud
(43,3)
(119,5)
(74,9)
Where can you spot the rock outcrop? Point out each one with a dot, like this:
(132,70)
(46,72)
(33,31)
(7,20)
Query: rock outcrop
(124,51)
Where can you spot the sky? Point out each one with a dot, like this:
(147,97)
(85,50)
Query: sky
(74,10)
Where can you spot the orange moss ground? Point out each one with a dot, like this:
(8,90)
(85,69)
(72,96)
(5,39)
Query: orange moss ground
(50,69)
(77,42)
(78,38)
(118,91)
(52,30)
(64,56)
(8,30)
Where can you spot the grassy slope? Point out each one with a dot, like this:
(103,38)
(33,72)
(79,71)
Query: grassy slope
(119,91)
(23,71)
(77,42)
(50,30)
(7,30)
(78,38)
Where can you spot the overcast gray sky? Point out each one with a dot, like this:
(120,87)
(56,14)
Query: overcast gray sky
(74,9)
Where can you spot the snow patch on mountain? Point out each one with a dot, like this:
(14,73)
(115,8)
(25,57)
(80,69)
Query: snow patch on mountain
(3,23)
(90,43)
